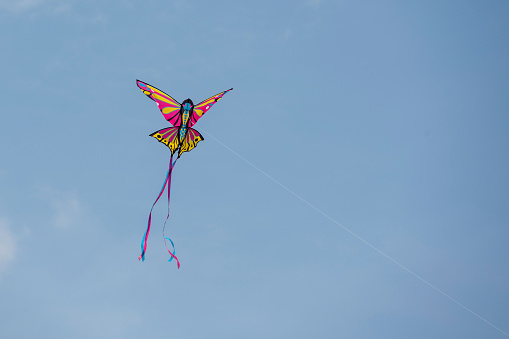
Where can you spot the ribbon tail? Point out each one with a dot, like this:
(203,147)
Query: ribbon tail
(172,254)
(145,236)
(170,170)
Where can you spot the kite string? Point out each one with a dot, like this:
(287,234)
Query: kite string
(359,237)
(145,236)
(170,170)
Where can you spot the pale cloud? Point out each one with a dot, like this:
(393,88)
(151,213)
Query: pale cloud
(99,19)
(19,5)
(62,9)
(56,7)
(68,210)
(7,245)
(106,322)
(287,34)
(314,2)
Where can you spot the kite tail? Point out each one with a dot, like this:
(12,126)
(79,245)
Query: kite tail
(168,216)
(145,236)
(167,181)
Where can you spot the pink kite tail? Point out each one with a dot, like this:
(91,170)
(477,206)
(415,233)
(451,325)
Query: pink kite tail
(170,170)
(145,236)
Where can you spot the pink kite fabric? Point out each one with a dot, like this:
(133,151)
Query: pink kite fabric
(166,184)
(179,139)
(204,106)
(166,104)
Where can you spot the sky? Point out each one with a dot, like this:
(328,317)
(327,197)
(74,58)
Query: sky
(352,185)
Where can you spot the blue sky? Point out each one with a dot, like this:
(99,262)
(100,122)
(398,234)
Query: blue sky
(390,117)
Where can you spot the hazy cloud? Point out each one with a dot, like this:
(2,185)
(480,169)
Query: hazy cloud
(67,208)
(314,2)
(19,5)
(67,211)
(107,322)
(47,6)
(7,245)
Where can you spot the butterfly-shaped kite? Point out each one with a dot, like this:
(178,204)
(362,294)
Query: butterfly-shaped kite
(180,138)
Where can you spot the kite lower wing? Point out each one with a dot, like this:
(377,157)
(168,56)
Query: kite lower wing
(169,137)
(192,138)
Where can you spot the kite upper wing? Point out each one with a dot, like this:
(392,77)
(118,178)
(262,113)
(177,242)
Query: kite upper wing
(204,106)
(167,105)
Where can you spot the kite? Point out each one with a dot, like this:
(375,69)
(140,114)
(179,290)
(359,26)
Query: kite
(179,139)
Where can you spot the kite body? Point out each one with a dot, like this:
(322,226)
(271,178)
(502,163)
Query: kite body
(179,139)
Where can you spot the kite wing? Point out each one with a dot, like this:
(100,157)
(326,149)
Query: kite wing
(168,136)
(167,105)
(191,139)
(204,106)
